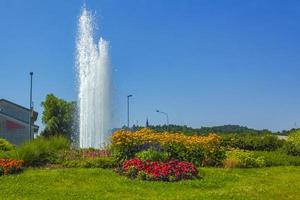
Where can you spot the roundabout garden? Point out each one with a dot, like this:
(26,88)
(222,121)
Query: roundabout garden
(138,162)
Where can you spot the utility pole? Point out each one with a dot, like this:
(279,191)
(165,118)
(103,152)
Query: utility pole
(128,124)
(167,117)
(31,107)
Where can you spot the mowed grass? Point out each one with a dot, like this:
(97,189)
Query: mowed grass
(266,183)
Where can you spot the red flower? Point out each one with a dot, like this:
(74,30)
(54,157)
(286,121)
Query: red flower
(163,170)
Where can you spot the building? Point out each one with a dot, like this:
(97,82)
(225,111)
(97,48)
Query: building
(14,122)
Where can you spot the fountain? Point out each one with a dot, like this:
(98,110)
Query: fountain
(94,82)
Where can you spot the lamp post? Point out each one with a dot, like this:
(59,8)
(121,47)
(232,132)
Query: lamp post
(167,117)
(128,110)
(31,107)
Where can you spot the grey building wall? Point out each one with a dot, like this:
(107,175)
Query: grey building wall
(15,136)
(18,115)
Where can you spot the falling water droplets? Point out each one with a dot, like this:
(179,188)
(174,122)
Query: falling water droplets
(94,79)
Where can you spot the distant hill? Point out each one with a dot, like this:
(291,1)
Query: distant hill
(225,129)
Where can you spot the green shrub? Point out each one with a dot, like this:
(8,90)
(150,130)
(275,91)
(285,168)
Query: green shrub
(278,158)
(152,155)
(42,150)
(5,145)
(292,146)
(199,155)
(244,159)
(252,142)
(101,162)
(13,154)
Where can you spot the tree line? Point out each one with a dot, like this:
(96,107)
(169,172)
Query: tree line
(59,118)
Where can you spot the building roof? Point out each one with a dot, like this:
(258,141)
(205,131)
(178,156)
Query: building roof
(35,114)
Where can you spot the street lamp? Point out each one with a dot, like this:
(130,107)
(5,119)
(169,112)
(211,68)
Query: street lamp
(128,110)
(167,116)
(31,107)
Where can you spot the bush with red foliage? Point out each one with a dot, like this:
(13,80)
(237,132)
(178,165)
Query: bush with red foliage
(95,153)
(172,170)
(10,166)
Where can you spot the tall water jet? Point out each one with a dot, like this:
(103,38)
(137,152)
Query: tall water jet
(94,79)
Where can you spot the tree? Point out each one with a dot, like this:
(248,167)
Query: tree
(58,116)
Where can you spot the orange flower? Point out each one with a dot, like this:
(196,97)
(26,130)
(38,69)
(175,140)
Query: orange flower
(11,165)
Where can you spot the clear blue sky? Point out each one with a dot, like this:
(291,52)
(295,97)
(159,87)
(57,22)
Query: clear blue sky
(205,63)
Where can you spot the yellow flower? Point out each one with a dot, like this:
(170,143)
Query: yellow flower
(124,137)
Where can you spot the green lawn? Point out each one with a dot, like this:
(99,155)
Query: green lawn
(268,183)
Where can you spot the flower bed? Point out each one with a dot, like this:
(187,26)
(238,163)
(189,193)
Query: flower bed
(10,166)
(200,150)
(172,170)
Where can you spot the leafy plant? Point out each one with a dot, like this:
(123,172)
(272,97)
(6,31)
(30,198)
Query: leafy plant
(252,142)
(142,176)
(101,162)
(42,150)
(243,159)
(292,146)
(278,158)
(152,155)
(5,145)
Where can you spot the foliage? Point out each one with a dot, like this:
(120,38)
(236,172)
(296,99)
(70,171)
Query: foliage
(42,150)
(231,162)
(9,154)
(252,142)
(200,150)
(159,171)
(292,146)
(100,162)
(5,145)
(10,166)
(58,116)
(243,159)
(152,154)
(278,158)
